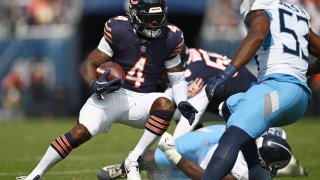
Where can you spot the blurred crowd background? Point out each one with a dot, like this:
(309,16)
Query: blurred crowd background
(43,42)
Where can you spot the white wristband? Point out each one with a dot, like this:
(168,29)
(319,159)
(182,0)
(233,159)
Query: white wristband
(173,155)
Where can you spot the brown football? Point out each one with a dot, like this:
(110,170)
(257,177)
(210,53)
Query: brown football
(116,70)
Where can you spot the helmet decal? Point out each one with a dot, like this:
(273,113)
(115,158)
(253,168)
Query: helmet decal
(155,10)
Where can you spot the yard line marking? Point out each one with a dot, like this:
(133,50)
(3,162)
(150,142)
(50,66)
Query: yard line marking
(50,173)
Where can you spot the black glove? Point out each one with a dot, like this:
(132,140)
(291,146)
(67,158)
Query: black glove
(101,85)
(187,110)
(215,82)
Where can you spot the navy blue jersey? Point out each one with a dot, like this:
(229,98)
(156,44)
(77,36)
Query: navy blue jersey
(142,60)
(203,64)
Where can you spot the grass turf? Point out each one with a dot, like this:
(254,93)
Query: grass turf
(24,143)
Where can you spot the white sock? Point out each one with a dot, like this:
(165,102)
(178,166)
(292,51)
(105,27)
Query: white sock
(50,158)
(143,145)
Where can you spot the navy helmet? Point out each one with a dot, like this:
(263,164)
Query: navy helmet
(148,16)
(274,151)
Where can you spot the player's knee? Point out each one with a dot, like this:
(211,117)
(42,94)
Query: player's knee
(80,133)
(162,103)
(235,135)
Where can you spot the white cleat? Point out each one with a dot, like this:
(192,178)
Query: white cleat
(132,169)
(28,178)
(21,178)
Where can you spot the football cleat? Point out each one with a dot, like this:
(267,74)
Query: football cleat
(111,172)
(21,177)
(26,178)
(131,168)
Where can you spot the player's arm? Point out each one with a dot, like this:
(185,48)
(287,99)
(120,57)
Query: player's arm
(314,50)
(194,171)
(94,60)
(190,168)
(103,53)
(180,91)
(258,23)
(258,27)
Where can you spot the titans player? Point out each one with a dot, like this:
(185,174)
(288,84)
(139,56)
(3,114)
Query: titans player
(280,39)
(144,44)
(187,156)
(202,65)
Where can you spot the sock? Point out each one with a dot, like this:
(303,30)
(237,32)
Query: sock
(157,124)
(250,153)
(226,153)
(257,172)
(50,158)
(57,151)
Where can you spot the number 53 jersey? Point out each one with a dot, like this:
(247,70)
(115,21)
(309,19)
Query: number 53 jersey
(285,49)
(143,60)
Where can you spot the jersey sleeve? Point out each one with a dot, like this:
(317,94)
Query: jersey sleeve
(175,41)
(107,32)
(251,5)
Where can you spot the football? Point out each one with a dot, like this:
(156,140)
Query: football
(116,70)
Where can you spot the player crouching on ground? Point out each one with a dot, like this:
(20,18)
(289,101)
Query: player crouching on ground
(188,156)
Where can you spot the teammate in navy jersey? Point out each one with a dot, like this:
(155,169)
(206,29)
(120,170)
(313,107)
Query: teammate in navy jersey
(144,44)
(200,66)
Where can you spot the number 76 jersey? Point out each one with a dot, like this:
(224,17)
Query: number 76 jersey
(285,49)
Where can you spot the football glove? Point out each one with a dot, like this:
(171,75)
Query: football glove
(222,79)
(101,85)
(166,144)
(187,110)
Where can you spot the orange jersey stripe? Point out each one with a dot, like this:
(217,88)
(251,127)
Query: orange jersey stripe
(66,141)
(58,147)
(151,121)
(178,49)
(108,34)
(154,129)
(108,39)
(63,146)
(160,120)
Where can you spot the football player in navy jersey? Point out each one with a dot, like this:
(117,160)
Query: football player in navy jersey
(200,66)
(144,44)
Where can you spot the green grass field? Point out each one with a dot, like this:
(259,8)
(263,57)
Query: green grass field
(23,144)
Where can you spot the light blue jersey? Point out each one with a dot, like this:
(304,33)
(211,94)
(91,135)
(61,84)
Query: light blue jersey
(281,96)
(194,146)
(197,146)
(285,49)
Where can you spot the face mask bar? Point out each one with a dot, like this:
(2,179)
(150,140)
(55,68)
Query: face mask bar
(148,24)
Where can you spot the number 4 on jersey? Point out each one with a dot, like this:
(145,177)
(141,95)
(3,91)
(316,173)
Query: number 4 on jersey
(136,72)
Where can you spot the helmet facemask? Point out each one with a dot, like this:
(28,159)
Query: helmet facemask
(150,23)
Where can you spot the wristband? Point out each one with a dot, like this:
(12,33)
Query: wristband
(230,70)
(173,155)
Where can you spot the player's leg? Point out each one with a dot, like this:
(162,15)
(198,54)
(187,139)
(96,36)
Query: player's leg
(155,110)
(92,120)
(200,102)
(235,137)
(160,115)
(59,149)
(262,106)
